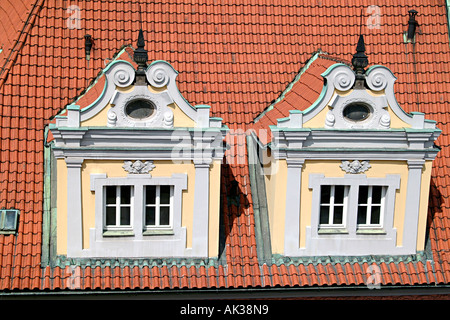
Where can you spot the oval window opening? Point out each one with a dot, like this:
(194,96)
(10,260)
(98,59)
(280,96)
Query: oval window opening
(139,109)
(356,112)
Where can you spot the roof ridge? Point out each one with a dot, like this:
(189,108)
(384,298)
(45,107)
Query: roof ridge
(20,41)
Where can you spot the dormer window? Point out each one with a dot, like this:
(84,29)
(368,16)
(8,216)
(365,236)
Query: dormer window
(139,109)
(357,171)
(138,182)
(356,112)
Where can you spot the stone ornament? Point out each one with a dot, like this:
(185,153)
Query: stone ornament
(355,166)
(158,77)
(123,75)
(138,167)
(344,79)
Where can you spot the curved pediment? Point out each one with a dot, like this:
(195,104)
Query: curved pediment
(341,105)
(156,103)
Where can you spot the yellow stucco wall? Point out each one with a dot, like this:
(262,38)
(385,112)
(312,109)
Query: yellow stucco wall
(276,196)
(113,168)
(276,188)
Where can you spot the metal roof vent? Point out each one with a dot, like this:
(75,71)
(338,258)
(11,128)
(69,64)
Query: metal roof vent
(9,219)
(410,34)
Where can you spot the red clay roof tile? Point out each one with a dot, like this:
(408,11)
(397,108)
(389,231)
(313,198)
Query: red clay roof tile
(238,62)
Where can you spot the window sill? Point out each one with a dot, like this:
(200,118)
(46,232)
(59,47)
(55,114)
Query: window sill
(332,231)
(370,231)
(118,233)
(155,232)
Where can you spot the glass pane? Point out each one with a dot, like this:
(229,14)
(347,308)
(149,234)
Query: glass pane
(375,215)
(363,194)
(356,112)
(362,215)
(139,109)
(338,215)
(164,216)
(164,195)
(324,214)
(10,220)
(376,194)
(150,194)
(325,194)
(125,194)
(125,216)
(110,216)
(339,194)
(150,216)
(110,194)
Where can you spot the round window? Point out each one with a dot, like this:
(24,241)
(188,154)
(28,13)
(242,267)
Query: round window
(139,109)
(356,112)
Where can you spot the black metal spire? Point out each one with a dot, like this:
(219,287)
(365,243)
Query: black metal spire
(140,57)
(360,60)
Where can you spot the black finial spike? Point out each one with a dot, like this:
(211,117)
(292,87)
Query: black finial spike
(140,54)
(360,60)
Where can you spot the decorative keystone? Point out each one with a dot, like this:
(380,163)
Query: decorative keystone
(355,166)
(138,167)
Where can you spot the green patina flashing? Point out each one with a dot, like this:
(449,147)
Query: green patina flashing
(287,129)
(447,6)
(49,205)
(190,129)
(62,262)
(289,87)
(258,188)
(421,256)
(312,149)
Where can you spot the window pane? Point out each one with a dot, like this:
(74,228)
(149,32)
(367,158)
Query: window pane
(362,215)
(150,216)
(324,214)
(363,194)
(164,216)
(110,194)
(338,214)
(125,194)
(150,194)
(110,216)
(325,194)
(164,195)
(376,194)
(339,194)
(125,216)
(375,215)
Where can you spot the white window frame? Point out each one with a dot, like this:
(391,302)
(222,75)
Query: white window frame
(157,205)
(118,205)
(331,205)
(349,226)
(369,205)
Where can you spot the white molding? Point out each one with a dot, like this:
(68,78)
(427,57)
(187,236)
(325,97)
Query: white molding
(140,245)
(349,243)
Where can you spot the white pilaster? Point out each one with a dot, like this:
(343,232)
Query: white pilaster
(74,211)
(292,216)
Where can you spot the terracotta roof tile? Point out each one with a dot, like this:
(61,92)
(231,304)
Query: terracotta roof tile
(239,62)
